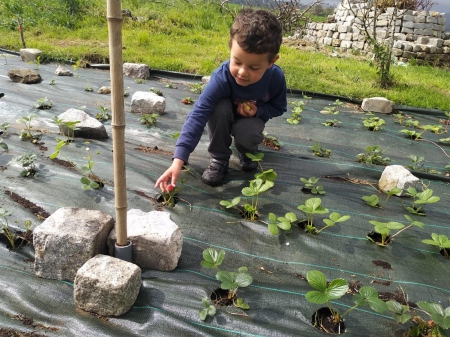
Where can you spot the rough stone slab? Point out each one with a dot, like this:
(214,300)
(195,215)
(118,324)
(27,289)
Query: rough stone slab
(157,240)
(61,71)
(67,239)
(377,104)
(147,103)
(89,127)
(397,176)
(24,75)
(29,54)
(107,286)
(136,70)
(105,90)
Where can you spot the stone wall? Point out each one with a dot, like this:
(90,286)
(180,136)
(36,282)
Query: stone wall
(417,34)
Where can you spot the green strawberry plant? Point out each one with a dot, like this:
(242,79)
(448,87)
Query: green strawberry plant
(70,126)
(103,114)
(440,319)
(320,151)
(399,311)
(333,220)
(148,119)
(311,185)
(4,228)
(325,292)
(440,241)
(374,201)
(284,223)
(296,111)
(373,123)
(311,207)
(416,162)
(331,122)
(384,228)
(27,163)
(373,155)
(43,104)
(26,133)
(420,199)
(230,281)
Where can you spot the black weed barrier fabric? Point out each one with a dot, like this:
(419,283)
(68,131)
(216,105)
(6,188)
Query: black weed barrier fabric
(169,302)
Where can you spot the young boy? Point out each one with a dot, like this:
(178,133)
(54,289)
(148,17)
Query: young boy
(241,96)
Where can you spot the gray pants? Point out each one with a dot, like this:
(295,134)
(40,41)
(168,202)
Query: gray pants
(224,123)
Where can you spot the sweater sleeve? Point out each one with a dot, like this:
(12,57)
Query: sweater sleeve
(277,103)
(196,120)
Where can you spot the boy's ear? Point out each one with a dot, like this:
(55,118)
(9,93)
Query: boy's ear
(273,61)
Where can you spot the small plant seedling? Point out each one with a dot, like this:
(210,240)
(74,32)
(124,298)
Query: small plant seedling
(43,104)
(399,311)
(330,110)
(89,180)
(415,162)
(4,128)
(230,281)
(440,241)
(311,207)
(52,82)
(331,122)
(4,228)
(170,196)
(88,88)
(311,185)
(373,123)
(296,111)
(148,119)
(420,199)
(27,163)
(140,81)
(307,97)
(69,126)
(320,151)
(103,115)
(412,134)
(171,86)
(187,100)
(76,67)
(197,88)
(271,141)
(284,223)
(333,220)
(208,310)
(412,124)
(338,103)
(439,315)
(411,223)
(384,228)
(157,91)
(374,201)
(3,145)
(373,155)
(325,292)
(26,133)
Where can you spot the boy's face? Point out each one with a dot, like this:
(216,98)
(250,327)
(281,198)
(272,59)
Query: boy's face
(247,68)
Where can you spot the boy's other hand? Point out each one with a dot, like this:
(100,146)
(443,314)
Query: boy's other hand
(246,109)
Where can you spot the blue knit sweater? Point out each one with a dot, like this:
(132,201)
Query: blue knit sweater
(268,94)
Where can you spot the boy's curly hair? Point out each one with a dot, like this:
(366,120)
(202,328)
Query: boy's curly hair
(257,32)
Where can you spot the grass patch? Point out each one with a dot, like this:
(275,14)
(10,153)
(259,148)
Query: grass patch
(192,36)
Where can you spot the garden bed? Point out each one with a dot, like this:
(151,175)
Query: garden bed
(169,302)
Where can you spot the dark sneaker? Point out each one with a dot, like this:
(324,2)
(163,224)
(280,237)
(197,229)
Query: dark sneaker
(246,163)
(216,170)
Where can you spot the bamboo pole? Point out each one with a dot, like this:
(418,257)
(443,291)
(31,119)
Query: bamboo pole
(114,17)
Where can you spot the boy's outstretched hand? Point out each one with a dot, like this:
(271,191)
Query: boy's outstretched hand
(170,176)
(246,109)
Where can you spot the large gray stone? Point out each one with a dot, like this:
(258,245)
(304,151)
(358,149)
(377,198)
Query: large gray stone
(397,176)
(157,240)
(136,70)
(147,103)
(377,104)
(30,54)
(107,286)
(24,75)
(89,127)
(61,71)
(68,239)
